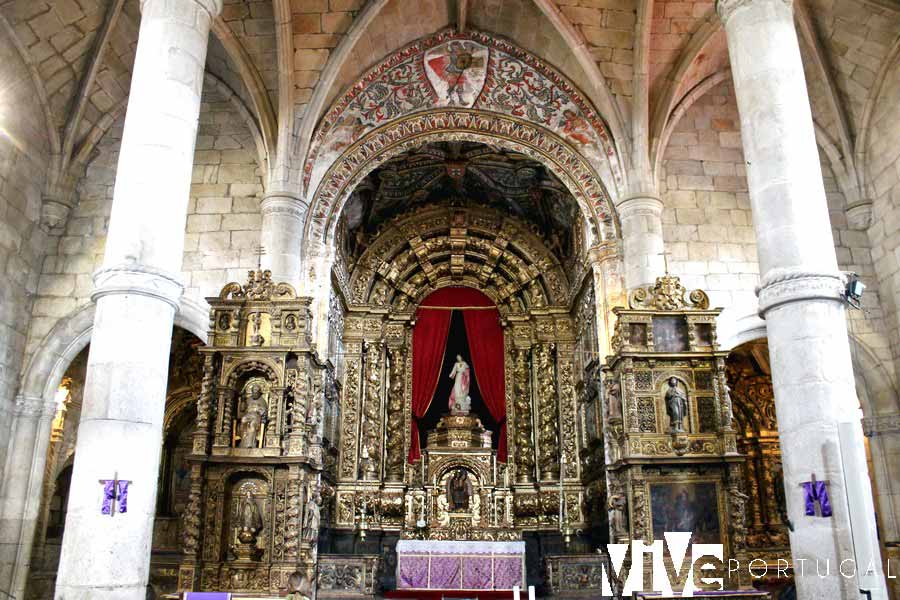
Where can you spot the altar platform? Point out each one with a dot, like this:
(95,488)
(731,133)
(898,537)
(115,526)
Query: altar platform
(460,594)
(460,565)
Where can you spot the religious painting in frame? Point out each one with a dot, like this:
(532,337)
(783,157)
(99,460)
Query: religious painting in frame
(690,503)
(670,334)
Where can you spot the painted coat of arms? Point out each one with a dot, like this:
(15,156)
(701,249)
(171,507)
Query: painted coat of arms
(457,70)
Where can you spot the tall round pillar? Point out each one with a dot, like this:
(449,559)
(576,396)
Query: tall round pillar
(106,556)
(642,239)
(800,298)
(283,216)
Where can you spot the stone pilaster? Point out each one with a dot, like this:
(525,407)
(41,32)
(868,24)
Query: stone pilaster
(136,291)
(642,240)
(21,490)
(281,236)
(799,294)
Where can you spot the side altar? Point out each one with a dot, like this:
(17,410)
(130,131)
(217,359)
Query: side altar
(253,515)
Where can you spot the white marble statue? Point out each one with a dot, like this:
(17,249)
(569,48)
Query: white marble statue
(460,402)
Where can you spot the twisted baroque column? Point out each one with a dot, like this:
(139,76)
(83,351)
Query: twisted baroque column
(800,297)
(137,292)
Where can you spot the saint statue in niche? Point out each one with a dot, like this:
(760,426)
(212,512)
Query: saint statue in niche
(311,519)
(676,406)
(460,402)
(250,521)
(255,412)
(459,490)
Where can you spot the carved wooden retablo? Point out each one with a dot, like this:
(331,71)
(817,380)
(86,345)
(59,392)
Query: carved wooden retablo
(459,431)
(671,457)
(259,444)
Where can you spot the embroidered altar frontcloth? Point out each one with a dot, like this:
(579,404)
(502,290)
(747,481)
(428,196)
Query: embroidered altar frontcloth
(460,565)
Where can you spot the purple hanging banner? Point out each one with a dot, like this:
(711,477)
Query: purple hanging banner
(813,492)
(123,496)
(109,496)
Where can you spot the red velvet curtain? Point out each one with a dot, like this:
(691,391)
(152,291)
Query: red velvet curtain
(485,338)
(429,341)
(486,344)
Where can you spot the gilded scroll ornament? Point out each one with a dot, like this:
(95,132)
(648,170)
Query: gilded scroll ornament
(667,294)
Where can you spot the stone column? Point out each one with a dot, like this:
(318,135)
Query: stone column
(642,239)
(800,290)
(20,494)
(136,292)
(283,217)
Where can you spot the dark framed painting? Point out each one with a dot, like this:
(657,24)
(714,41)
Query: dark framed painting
(670,334)
(687,506)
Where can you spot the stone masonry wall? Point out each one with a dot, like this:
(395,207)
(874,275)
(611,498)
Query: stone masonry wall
(23,164)
(708,227)
(883,174)
(222,226)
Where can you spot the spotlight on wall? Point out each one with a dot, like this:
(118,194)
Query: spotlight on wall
(854,290)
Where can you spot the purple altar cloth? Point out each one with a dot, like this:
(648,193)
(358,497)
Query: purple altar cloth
(452,565)
(206,596)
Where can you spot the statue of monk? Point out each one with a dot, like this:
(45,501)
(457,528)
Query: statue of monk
(460,402)
(255,412)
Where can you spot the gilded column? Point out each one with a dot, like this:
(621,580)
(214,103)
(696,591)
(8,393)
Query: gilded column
(350,411)
(395,438)
(137,292)
(370,468)
(524,435)
(548,421)
(800,296)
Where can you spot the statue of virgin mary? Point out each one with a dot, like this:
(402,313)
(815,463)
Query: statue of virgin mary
(459,397)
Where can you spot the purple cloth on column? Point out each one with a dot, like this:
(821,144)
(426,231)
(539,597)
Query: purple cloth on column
(206,596)
(815,491)
(445,572)
(109,494)
(413,572)
(123,496)
(477,573)
(507,572)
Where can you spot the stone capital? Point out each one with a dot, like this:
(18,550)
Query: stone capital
(284,203)
(639,205)
(859,215)
(28,406)
(138,279)
(603,251)
(212,7)
(881,424)
(783,286)
(727,8)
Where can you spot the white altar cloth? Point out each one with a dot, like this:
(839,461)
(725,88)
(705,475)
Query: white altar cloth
(463,565)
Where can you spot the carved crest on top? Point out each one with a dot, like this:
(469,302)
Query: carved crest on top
(259,286)
(667,294)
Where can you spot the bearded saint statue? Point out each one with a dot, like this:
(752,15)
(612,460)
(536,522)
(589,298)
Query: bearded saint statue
(459,397)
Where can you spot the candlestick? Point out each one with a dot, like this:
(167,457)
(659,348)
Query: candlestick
(530,592)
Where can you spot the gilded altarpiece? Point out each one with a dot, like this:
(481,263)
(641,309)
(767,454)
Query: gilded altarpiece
(672,462)
(378,490)
(252,516)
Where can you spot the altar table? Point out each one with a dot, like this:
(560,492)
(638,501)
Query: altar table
(451,565)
